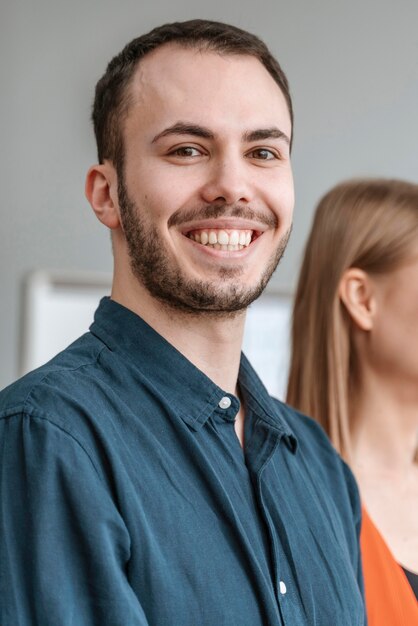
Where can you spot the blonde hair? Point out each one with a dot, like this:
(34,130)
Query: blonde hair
(368,224)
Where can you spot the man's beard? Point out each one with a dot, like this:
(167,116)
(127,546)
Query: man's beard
(151,266)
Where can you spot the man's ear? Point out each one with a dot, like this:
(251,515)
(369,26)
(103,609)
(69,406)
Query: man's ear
(102,192)
(357,293)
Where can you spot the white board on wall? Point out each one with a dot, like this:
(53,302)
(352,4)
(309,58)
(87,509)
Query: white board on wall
(58,307)
(267,340)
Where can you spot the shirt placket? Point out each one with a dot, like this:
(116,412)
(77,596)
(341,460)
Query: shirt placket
(269,439)
(261,448)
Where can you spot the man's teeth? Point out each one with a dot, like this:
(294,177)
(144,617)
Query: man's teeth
(223,239)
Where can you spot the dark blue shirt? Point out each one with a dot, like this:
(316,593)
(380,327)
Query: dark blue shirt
(127,500)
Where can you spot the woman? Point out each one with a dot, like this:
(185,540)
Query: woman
(354,368)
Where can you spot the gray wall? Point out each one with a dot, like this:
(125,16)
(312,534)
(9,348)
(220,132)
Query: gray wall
(353,69)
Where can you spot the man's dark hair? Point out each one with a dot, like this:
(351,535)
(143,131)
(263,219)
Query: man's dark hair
(112,98)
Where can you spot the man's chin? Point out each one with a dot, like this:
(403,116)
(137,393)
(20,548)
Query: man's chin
(205,298)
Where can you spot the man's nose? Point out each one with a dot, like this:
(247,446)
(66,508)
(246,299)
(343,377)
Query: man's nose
(229,182)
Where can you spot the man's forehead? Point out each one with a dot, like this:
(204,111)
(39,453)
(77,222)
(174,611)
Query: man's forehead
(172,54)
(173,64)
(188,78)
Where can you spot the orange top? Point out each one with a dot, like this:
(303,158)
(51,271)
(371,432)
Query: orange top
(390,600)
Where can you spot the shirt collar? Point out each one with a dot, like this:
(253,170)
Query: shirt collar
(257,399)
(185,388)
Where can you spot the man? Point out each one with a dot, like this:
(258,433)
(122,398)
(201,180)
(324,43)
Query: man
(147,477)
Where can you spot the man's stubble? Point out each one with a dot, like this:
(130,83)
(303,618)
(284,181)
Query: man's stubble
(151,266)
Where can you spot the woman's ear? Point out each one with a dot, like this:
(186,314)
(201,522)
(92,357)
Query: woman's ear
(357,293)
(101,192)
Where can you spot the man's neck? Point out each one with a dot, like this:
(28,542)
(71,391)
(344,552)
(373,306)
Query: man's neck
(211,342)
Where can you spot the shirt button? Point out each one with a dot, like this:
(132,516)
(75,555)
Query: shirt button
(282,588)
(225,402)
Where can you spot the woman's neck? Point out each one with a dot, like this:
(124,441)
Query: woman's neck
(384,426)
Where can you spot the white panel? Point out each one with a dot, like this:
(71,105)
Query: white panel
(58,309)
(267,340)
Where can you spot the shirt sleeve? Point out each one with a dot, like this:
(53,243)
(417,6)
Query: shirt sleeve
(357,517)
(64,548)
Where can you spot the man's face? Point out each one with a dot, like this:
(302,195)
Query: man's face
(206,194)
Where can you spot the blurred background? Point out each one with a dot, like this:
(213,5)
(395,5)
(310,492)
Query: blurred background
(353,71)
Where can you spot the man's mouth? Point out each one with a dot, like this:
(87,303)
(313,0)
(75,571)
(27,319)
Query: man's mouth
(223,239)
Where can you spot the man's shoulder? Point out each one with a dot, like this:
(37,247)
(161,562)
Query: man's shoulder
(63,376)
(306,430)
(317,451)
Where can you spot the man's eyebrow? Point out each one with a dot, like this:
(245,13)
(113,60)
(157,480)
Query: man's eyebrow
(183,128)
(266,133)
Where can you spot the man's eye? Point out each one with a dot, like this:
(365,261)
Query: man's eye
(186,151)
(263,154)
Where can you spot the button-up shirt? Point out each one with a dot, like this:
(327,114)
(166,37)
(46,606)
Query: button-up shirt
(127,499)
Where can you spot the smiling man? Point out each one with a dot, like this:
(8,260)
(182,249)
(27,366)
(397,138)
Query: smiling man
(147,476)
